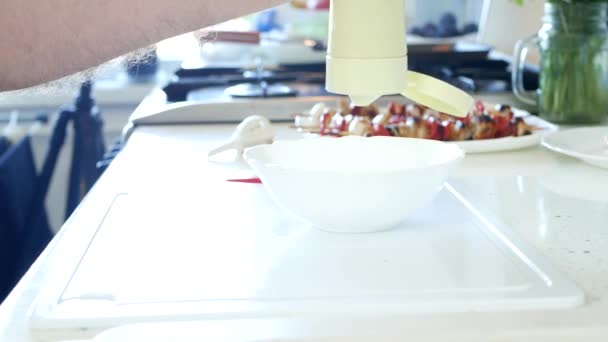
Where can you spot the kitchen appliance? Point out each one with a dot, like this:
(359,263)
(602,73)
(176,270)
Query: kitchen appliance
(367,58)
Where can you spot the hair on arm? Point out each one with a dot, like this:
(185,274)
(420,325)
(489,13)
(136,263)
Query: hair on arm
(54,44)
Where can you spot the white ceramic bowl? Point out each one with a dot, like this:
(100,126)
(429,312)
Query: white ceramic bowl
(354,184)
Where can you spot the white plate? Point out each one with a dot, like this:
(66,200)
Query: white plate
(280,109)
(589,144)
(511,143)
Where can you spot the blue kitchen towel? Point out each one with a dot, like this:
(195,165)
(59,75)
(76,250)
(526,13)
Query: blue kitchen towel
(56,143)
(4,145)
(23,233)
(88,149)
(7,256)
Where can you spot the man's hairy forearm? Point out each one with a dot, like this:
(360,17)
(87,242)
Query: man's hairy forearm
(41,41)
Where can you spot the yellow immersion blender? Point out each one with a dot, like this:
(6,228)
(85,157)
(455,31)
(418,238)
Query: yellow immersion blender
(367,58)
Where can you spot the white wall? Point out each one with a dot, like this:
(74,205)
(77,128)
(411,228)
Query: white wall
(505,23)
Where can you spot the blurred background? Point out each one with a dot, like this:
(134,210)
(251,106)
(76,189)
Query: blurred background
(56,144)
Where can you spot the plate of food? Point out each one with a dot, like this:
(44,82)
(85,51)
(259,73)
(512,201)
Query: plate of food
(487,128)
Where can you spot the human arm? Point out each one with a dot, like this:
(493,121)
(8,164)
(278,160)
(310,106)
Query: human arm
(41,41)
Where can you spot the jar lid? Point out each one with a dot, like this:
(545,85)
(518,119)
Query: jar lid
(438,95)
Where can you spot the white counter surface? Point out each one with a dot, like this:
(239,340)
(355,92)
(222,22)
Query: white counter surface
(557,204)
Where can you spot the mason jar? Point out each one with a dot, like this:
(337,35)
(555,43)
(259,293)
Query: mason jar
(573,43)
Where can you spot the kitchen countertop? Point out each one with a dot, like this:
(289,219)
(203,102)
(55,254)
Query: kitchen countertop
(557,204)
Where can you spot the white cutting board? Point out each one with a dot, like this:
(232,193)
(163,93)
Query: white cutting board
(238,256)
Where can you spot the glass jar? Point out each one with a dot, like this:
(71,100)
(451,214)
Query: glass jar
(573,43)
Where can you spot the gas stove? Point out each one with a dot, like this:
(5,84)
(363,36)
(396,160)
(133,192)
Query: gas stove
(471,67)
